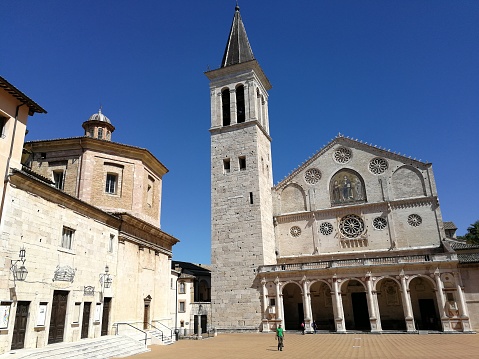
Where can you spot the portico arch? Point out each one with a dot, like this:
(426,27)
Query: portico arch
(356,313)
(293,306)
(390,304)
(424,303)
(322,305)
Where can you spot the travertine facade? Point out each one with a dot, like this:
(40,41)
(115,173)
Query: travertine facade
(353,239)
(82,223)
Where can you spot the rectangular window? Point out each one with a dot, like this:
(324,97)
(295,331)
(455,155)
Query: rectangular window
(251,198)
(111,183)
(226,165)
(272,302)
(58,178)
(67,238)
(181,308)
(100,133)
(111,243)
(242,163)
(3,123)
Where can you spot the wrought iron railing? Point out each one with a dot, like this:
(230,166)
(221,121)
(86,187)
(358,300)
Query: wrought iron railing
(132,326)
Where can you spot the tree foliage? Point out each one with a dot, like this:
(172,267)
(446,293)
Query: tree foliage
(472,235)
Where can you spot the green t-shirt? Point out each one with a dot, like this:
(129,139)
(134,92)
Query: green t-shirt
(279,332)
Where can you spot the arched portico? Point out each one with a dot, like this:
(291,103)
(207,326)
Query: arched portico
(322,305)
(355,305)
(424,303)
(390,304)
(293,306)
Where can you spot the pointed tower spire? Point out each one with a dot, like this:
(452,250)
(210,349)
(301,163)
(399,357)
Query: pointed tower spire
(237,49)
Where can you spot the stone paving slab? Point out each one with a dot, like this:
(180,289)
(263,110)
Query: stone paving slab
(327,346)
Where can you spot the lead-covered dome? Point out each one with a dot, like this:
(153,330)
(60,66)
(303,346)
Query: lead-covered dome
(99,117)
(98,126)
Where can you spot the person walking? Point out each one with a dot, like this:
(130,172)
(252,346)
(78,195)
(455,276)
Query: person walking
(302,328)
(280,337)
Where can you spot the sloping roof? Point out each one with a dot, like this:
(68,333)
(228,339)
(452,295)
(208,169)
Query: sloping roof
(347,141)
(468,258)
(20,96)
(449,225)
(190,267)
(458,246)
(237,49)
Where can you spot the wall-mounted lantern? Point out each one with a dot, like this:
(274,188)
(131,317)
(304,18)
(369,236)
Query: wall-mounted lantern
(105,278)
(19,272)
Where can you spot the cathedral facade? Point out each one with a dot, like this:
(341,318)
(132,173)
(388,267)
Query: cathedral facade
(353,239)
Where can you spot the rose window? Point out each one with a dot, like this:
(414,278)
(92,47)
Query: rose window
(414,220)
(351,226)
(378,165)
(326,228)
(312,176)
(380,223)
(295,231)
(342,155)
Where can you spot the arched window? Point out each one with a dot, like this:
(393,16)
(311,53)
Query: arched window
(182,288)
(225,100)
(240,111)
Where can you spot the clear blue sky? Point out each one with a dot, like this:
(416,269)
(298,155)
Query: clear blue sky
(403,75)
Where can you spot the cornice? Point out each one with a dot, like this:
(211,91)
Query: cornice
(238,126)
(101,146)
(36,187)
(338,210)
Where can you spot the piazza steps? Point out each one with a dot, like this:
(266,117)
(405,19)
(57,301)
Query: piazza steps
(112,346)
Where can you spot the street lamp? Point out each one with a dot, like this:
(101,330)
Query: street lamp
(19,273)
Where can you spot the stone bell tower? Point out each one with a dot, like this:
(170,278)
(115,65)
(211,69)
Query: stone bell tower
(242,232)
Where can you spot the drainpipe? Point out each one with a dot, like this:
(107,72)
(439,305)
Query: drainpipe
(5,178)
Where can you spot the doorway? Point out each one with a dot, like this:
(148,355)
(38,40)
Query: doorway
(57,318)
(85,324)
(429,320)
(105,316)
(360,311)
(20,327)
(204,321)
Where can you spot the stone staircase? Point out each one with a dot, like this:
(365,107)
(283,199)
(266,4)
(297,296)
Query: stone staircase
(159,338)
(112,346)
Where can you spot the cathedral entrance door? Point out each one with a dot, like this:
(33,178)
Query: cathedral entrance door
(20,326)
(57,319)
(105,316)
(360,311)
(85,324)
(429,320)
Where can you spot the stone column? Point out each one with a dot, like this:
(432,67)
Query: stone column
(306,306)
(233,107)
(440,294)
(216,109)
(338,307)
(462,306)
(406,304)
(373,320)
(279,304)
(264,321)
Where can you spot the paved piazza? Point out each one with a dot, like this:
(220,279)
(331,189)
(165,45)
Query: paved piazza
(335,346)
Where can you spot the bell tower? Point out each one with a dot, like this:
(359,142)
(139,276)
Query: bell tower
(242,233)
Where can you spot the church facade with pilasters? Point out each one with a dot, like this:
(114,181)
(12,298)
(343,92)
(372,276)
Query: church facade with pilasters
(353,239)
